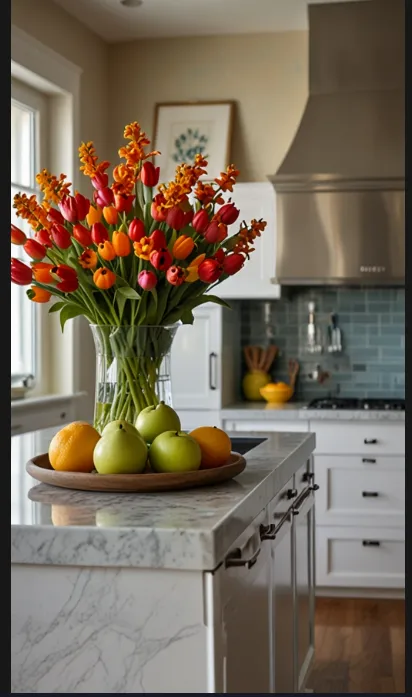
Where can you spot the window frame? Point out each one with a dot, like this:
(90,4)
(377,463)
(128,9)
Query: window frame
(38,104)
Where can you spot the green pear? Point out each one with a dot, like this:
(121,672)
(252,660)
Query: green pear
(154,420)
(113,425)
(120,452)
(175,451)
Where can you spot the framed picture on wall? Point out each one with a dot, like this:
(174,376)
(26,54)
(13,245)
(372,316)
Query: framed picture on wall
(183,129)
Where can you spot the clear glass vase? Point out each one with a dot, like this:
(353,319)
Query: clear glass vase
(132,370)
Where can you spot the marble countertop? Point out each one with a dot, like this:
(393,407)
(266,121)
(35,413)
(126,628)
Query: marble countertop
(299,410)
(192,529)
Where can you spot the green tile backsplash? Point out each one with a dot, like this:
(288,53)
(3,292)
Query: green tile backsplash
(372,324)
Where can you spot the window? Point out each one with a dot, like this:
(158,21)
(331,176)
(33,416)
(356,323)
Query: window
(28,124)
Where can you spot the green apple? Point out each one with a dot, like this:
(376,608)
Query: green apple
(154,420)
(113,425)
(120,452)
(175,451)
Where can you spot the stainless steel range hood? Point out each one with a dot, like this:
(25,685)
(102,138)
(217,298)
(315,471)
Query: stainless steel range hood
(340,190)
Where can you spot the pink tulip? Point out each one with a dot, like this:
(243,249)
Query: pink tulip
(147,280)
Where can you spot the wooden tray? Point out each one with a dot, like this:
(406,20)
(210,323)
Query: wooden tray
(39,468)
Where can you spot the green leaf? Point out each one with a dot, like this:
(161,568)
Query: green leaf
(30,294)
(152,305)
(201,300)
(68,312)
(120,282)
(128,293)
(187,317)
(121,300)
(57,306)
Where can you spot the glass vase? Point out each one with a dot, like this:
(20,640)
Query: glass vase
(132,370)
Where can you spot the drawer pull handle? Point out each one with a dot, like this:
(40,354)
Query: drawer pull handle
(370,441)
(367,494)
(307,476)
(370,460)
(235,559)
(290,494)
(371,543)
(315,487)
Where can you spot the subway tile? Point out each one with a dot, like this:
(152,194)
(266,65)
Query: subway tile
(392,329)
(393,352)
(395,340)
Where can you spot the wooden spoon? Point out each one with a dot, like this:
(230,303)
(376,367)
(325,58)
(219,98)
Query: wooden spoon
(248,357)
(271,353)
(293,371)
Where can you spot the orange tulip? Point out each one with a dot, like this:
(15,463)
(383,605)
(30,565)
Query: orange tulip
(94,215)
(106,250)
(183,246)
(41,272)
(110,215)
(38,295)
(121,244)
(104,278)
(192,270)
(144,247)
(88,260)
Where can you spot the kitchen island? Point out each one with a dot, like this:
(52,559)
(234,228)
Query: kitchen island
(207,590)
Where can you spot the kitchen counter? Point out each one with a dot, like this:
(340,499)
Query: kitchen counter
(178,530)
(299,410)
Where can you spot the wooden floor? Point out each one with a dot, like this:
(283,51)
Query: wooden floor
(359,646)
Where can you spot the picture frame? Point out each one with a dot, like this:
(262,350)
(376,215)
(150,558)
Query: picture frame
(182,129)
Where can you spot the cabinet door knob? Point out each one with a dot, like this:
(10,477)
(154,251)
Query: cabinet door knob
(291,493)
(370,441)
(369,494)
(314,487)
(371,543)
(268,533)
(370,460)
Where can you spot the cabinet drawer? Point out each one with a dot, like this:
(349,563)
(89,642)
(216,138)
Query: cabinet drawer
(368,437)
(355,493)
(263,425)
(349,557)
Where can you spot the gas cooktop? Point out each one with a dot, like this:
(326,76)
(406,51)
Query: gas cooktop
(352,403)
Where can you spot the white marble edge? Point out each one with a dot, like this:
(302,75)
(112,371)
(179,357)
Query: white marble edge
(44,400)
(299,410)
(191,530)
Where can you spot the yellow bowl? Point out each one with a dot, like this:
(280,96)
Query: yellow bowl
(276,396)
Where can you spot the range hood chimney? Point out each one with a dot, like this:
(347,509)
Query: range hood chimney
(340,188)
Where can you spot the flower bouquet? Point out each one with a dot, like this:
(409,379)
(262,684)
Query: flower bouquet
(135,262)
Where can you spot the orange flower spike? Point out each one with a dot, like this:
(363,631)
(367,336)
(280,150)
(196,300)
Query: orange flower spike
(54,189)
(41,272)
(227,179)
(106,250)
(144,247)
(38,295)
(110,215)
(104,278)
(121,244)
(88,158)
(94,215)
(88,260)
(183,246)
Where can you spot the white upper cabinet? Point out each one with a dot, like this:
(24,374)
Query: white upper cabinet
(254,200)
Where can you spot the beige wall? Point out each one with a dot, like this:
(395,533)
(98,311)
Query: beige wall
(267,75)
(61,32)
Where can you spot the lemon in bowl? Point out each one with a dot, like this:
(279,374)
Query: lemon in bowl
(276,392)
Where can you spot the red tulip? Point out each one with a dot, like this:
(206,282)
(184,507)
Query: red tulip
(216,232)
(68,209)
(200,221)
(55,216)
(228,213)
(100,180)
(157,215)
(61,237)
(219,255)
(209,270)
(99,233)
(35,250)
(176,218)
(161,259)
(232,263)
(20,273)
(104,197)
(82,235)
(17,235)
(122,203)
(147,280)
(67,277)
(159,239)
(175,275)
(43,237)
(149,174)
(136,230)
(83,206)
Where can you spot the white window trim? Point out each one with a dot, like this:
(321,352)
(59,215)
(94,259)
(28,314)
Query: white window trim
(42,68)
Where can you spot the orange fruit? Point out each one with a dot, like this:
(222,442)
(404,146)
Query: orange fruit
(71,449)
(215,445)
